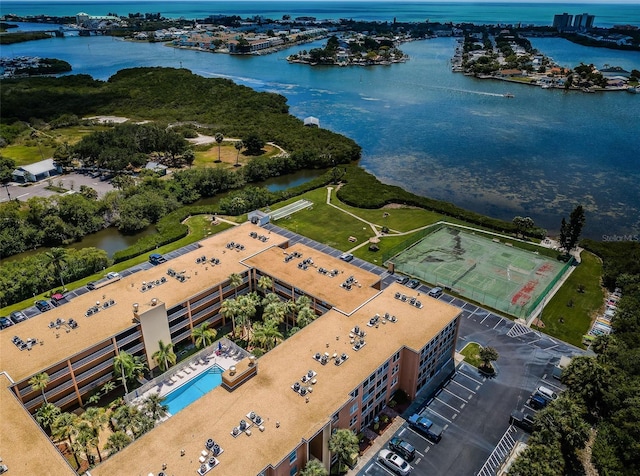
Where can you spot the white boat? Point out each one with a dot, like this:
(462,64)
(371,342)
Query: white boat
(508,95)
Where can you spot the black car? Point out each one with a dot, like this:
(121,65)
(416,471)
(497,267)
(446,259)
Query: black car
(5,322)
(402,447)
(43,306)
(413,283)
(522,420)
(17,316)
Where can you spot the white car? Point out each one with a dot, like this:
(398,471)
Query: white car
(394,462)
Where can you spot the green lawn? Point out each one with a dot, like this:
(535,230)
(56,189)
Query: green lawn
(470,352)
(570,323)
(199,227)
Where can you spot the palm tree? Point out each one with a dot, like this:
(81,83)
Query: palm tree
(264,283)
(235,280)
(46,415)
(83,438)
(246,311)
(269,299)
(40,382)
(230,309)
(165,356)
(116,442)
(63,427)
(124,417)
(344,443)
(203,335)
(238,145)
(275,311)
(139,366)
(267,334)
(219,138)
(123,363)
(314,468)
(154,407)
(55,259)
(96,418)
(305,317)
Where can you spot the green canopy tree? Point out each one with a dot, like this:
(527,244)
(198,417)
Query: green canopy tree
(487,355)
(55,259)
(314,468)
(96,418)
(64,426)
(539,460)
(46,415)
(116,441)
(343,443)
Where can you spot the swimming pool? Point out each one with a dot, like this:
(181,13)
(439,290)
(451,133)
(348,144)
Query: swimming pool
(193,389)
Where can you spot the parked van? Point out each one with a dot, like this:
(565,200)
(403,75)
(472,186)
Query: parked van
(546,392)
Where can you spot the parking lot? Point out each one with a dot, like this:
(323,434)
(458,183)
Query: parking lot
(69,181)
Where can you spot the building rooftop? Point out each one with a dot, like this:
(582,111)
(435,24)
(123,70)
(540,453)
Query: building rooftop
(324,286)
(269,393)
(24,447)
(56,344)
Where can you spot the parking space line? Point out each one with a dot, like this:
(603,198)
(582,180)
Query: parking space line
(470,378)
(552,384)
(451,393)
(421,436)
(466,388)
(436,413)
(384,467)
(445,403)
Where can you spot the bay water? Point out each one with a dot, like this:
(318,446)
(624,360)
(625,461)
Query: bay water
(431,131)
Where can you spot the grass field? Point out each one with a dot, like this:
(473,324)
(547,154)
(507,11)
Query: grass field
(206,155)
(488,271)
(569,313)
(470,352)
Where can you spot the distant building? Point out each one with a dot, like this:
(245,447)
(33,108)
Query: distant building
(35,172)
(312,121)
(562,22)
(583,22)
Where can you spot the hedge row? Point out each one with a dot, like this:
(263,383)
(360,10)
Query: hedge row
(363,190)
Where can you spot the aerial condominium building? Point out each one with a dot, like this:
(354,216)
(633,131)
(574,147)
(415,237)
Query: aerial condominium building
(270,415)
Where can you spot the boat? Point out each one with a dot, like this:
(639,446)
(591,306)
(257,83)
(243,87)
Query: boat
(546,86)
(508,95)
(587,90)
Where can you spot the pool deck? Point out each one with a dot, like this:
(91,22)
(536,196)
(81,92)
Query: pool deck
(189,369)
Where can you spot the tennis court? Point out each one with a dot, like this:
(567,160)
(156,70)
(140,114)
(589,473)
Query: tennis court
(488,271)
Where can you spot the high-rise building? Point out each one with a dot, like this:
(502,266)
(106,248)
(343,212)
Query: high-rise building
(583,22)
(561,22)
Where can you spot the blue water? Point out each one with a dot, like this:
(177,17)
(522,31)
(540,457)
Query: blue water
(192,390)
(431,131)
(536,13)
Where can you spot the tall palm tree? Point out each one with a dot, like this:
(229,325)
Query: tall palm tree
(165,356)
(230,309)
(343,443)
(55,259)
(84,437)
(247,310)
(63,427)
(116,442)
(46,415)
(139,366)
(269,299)
(123,363)
(219,138)
(40,382)
(124,417)
(305,317)
(96,418)
(275,311)
(235,280)
(203,335)
(264,283)
(267,334)
(154,407)
(238,145)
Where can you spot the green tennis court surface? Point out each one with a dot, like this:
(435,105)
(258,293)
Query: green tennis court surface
(488,271)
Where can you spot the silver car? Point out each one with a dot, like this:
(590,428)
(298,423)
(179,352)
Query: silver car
(394,462)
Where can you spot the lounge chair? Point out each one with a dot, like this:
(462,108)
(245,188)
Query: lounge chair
(193,366)
(180,374)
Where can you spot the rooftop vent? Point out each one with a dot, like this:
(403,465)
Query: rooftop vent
(154,301)
(135,307)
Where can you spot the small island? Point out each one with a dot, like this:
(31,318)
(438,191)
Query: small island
(24,66)
(354,50)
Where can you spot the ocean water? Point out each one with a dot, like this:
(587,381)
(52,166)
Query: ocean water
(437,133)
(533,12)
